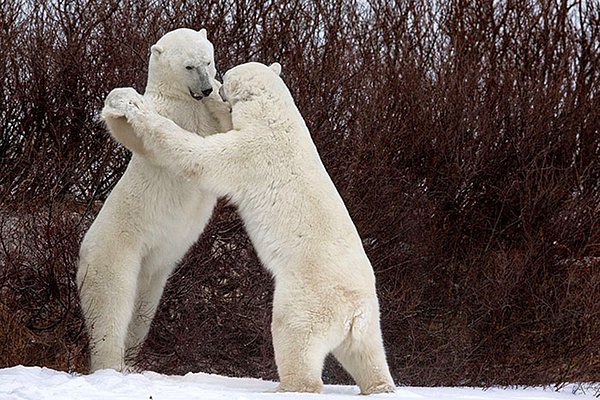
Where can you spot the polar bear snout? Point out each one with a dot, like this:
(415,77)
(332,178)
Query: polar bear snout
(201,94)
(201,86)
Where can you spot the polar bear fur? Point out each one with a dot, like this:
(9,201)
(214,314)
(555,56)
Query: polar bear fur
(325,299)
(152,217)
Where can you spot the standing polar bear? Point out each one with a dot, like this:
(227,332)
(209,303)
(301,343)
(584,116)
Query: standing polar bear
(152,216)
(325,299)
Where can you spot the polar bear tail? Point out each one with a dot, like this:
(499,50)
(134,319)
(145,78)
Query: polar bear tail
(357,324)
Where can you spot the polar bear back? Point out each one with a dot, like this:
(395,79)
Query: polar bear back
(290,206)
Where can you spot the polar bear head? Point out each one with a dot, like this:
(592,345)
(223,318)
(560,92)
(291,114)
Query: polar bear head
(182,65)
(253,81)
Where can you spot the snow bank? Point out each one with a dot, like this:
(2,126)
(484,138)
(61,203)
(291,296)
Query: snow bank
(35,383)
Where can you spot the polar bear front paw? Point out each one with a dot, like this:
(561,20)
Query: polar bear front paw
(124,114)
(220,110)
(216,105)
(123,102)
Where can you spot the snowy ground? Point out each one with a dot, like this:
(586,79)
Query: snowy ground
(34,383)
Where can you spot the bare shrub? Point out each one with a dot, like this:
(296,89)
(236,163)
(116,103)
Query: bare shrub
(463,137)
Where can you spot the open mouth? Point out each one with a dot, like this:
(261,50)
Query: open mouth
(196,96)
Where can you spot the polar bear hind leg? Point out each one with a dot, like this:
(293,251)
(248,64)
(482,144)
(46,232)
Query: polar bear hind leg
(299,354)
(108,304)
(149,292)
(363,356)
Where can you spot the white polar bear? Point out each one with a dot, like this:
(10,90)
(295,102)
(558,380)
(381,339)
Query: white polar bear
(151,217)
(325,299)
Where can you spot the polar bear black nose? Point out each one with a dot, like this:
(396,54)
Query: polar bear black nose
(206,92)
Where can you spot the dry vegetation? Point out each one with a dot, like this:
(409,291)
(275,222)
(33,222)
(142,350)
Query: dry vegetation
(464,137)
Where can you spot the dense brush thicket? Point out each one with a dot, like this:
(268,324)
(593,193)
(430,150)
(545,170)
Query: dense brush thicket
(464,137)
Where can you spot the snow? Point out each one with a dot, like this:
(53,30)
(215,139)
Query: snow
(35,383)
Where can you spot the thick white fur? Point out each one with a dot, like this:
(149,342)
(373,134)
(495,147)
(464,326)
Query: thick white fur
(325,299)
(152,216)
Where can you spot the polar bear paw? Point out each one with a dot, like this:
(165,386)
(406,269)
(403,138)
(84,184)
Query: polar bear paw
(383,387)
(216,104)
(123,102)
(221,110)
(126,113)
(301,387)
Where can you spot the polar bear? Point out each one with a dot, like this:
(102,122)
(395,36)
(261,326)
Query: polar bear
(151,217)
(325,299)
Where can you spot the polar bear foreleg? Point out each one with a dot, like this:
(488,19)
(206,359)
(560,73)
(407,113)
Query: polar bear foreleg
(208,160)
(120,128)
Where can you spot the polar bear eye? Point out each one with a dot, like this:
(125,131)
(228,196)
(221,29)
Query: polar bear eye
(189,68)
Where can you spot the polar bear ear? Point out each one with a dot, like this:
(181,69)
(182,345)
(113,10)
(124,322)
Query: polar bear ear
(157,49)
(276,67)
(202,33)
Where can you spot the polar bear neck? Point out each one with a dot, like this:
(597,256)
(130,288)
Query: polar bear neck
(161,89)
(267,112)
(188,113)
